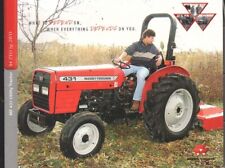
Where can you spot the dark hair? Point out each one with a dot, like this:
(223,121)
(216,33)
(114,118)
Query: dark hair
(148,33)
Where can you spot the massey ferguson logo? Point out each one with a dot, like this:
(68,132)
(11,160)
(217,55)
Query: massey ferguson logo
(194,15)
(41,78)
(200,150)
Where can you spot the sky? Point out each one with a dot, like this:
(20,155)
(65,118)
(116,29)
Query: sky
(131,13)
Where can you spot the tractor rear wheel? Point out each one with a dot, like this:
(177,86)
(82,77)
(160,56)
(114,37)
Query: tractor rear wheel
(82,135)
(171,108)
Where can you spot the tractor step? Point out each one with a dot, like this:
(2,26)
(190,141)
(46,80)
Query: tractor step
(128,111)
(210,117)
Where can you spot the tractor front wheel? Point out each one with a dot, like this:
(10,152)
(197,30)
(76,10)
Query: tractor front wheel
(27,126)
(82,135)
(171,108)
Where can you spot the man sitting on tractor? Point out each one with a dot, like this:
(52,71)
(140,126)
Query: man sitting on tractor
(144,58)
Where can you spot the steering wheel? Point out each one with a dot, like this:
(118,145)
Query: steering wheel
(121,64)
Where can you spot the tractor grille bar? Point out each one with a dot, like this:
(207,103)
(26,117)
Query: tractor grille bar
(41,82)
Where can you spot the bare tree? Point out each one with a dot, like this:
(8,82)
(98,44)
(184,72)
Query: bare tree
(32,33)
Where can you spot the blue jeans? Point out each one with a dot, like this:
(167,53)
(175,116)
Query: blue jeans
(141,73)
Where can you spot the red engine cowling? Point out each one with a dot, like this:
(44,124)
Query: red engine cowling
(57,89)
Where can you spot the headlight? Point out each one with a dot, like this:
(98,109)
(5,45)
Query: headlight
(35,88)
(44,90)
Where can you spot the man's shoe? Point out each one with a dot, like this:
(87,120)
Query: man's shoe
(135,105)
(134,108)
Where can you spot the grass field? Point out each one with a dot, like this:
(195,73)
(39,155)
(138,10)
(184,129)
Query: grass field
(124,146)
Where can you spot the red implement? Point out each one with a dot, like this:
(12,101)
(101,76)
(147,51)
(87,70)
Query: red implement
(211,117)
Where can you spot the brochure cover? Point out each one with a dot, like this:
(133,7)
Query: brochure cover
(113,83)
(10,83)
(1,90)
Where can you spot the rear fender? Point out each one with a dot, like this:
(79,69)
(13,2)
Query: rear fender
(155,78)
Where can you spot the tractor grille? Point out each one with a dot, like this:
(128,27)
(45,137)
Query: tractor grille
(41,80)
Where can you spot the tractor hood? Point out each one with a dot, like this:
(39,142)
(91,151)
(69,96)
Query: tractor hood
(103,72)
(104,76)
(81,68)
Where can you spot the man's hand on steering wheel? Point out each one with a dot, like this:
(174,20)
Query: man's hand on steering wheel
(123,65)
(117,60)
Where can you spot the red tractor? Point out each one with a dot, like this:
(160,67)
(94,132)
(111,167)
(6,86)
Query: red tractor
(83,97)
